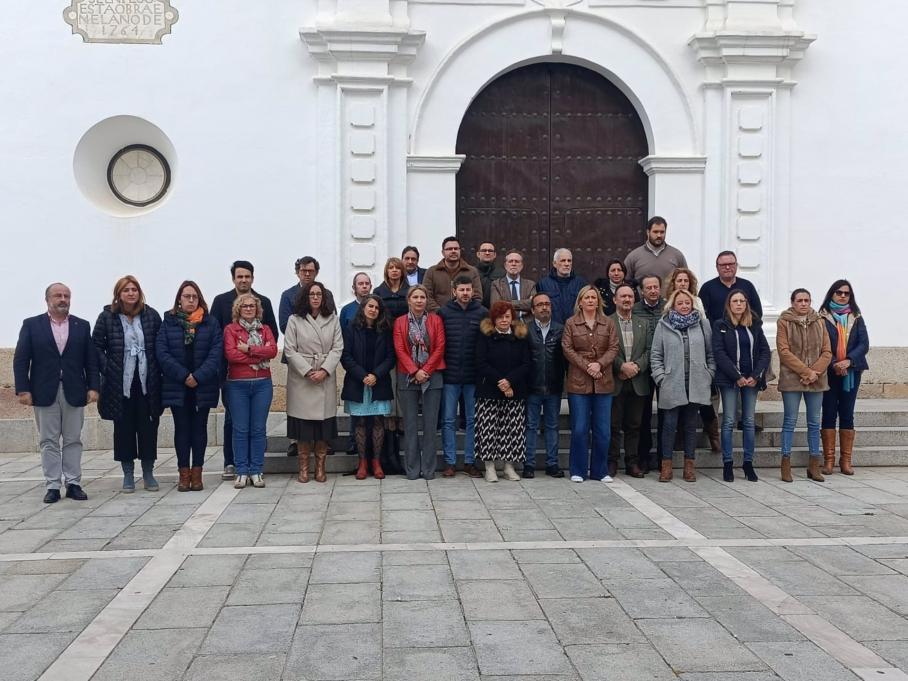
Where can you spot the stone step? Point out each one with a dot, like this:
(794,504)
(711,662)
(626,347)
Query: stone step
(764,457)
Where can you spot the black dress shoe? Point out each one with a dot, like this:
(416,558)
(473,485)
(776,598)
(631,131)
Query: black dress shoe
(52,496)
(554,471)
(75,492)
(528,472)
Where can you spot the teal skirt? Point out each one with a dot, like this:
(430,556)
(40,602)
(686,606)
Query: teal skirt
(368,407)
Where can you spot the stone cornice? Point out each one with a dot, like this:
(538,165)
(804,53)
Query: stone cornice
(716,48)
(673,164)
(435,164)
(391,46)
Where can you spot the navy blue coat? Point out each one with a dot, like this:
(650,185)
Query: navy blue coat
(858,344)
(563,291)
(353,360)
(208,349)
(725,352)
(39,367)
(461,333)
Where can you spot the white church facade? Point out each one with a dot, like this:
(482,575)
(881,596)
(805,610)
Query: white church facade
(348,129)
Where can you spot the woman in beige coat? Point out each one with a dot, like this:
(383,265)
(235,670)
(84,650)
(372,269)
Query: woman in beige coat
(312,345)
(804,354)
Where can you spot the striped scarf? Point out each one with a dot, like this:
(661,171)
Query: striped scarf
(841,316)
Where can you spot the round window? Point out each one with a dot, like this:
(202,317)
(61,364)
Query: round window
(138,175)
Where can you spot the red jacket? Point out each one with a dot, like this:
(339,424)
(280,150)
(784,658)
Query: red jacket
(239,364)
(436,330)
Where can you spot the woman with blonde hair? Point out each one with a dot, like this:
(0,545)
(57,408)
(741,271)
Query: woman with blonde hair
(125,336)
(683,367)
(683,279)
(313,345)
(393,293)
(742,357)
(249,347)
(590,345)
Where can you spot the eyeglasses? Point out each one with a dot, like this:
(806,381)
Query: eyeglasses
(247,307)
(187,296)
(843,293)
(308,271)
(543,305)
(726,265)
(315,295)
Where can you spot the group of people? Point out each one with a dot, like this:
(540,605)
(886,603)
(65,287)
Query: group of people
(480,340)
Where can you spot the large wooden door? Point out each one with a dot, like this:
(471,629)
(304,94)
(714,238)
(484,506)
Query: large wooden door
(552,155)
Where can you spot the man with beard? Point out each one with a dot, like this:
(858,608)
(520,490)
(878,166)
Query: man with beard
(56,370)
(546,382)
(488,270)
(562,285)
(242,272)
(514,288)
(655,257)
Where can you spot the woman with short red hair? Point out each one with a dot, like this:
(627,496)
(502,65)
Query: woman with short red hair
(502,367)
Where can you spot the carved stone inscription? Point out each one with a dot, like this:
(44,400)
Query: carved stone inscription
(121,21)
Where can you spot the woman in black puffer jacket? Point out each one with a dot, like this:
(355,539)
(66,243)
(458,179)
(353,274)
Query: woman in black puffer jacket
(125,336)
(189,347)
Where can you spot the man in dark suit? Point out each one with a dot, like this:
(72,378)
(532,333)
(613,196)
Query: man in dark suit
(514,288)
(56,372)
(243,274)
(631,372)
(414,273)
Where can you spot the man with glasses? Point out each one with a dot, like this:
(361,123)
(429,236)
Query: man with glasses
(439,279)
(546,382)
(307,269)
(242,272)
(715,291)
(515,289)
(488,270)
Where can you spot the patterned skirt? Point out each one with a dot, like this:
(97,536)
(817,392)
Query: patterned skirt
(501,430)
(368,407)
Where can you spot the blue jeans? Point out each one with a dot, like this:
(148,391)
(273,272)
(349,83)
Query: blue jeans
(549,406)
(250,402)
(595,409)
(838,403)
(227,449)
(748,409)
(791,401)
(450,394)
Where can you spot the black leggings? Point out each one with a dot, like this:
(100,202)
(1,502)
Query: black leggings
(190,431)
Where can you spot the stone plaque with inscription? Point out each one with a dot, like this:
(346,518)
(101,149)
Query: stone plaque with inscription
(121,21)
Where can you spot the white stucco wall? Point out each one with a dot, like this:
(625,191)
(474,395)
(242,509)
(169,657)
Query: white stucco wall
(232,88)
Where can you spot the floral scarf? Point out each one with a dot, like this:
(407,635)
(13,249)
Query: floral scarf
(255,338)
(683,321)
(419,343)
(189,322)
(841,314)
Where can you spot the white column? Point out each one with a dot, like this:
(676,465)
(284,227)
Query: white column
(362,113)
(748,52)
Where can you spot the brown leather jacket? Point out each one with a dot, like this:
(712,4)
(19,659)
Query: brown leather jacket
(581,346)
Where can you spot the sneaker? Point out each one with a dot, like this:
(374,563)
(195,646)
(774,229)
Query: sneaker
(608,478)
(576,478)
(240,482)
(257,481)
(229,473)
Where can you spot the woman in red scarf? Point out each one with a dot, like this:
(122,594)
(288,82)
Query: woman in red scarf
(850,343)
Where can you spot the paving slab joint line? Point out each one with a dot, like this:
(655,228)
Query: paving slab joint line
(85,655)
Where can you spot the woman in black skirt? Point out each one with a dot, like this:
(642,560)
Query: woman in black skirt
(312,345)
(502,366)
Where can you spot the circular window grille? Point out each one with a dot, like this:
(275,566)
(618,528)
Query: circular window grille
(138,175)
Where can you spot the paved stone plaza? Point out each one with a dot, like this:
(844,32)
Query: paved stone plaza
(454,579)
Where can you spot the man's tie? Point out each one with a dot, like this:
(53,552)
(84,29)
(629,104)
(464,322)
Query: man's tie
(514,294)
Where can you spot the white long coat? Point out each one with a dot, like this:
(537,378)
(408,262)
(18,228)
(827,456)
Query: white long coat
(312,344)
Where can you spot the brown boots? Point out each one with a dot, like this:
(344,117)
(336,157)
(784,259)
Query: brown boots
(813,469)
(786,469)
(321,451)
(712,432)
(195,479)
(666,474)
(689,471)
(184,483)
(846,444)
(363,471)
(376,469)
(304,449)
(827,437)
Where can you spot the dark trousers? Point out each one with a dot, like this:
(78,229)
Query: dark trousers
(190,431)
(135,435)
(627,412)
(838,403)
(645,447)
(228,429)
(688,414)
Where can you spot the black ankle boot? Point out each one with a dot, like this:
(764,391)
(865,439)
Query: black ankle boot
(749,471)
(728,474)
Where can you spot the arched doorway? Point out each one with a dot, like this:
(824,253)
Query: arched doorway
(552,155)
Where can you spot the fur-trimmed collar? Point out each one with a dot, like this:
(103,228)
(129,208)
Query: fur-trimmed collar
(518,328)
